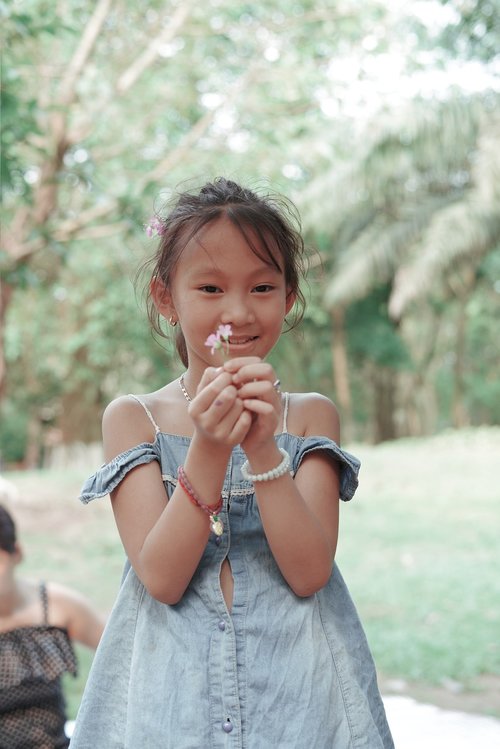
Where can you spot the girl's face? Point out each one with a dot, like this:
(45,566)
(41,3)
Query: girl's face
(219,280)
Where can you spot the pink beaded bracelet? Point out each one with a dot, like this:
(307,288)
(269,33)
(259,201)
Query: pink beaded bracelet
(216,524)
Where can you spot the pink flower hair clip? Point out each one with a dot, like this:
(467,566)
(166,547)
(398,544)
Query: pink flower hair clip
(219,341)
(155,226)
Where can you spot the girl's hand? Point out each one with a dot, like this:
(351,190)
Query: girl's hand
(217,410)
(254,380)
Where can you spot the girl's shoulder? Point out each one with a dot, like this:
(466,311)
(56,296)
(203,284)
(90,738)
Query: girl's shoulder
(313,414)
(130,420)
(126,416)
(127,422)
(132,402)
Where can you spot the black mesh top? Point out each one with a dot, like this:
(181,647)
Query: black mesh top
(32,662)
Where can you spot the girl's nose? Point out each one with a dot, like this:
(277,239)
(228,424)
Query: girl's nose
(238,313)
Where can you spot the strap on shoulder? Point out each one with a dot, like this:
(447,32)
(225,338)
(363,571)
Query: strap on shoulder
(286,397)
(148,412)
(45,602)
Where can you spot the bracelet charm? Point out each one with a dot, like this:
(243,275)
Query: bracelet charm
(216,524)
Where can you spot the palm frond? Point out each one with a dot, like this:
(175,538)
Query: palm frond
(464,232)
(422,195)
(461,233)
(379,250)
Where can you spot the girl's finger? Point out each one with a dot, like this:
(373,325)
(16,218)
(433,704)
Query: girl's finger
(233,365)
(261,407)
(241,427)
(259,371)
(208,376)
(209,390)
(223,401)
(222,422)
(258,389)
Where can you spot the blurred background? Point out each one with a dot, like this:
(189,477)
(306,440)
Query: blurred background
(381,120)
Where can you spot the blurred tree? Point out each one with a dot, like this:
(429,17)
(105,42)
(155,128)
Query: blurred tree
(417,212)
(106,103)
(109,104)
(474,30)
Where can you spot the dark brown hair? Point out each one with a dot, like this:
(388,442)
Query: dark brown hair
(272,219)
(7,531)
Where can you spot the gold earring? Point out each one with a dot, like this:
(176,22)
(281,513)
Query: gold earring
(172,321)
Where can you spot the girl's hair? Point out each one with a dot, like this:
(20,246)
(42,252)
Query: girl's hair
(7,532)
(270,219)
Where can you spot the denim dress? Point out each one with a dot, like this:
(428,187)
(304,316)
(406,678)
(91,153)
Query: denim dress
(276,672)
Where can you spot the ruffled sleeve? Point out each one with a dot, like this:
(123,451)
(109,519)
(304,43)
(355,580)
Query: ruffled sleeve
(349,464)
(110,474)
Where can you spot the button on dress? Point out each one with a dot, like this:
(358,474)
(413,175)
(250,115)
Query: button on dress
(276,672)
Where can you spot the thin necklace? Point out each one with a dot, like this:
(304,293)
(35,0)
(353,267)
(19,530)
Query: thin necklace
(183,388)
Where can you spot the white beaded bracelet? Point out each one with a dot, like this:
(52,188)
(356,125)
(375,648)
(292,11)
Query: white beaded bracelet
(274,473)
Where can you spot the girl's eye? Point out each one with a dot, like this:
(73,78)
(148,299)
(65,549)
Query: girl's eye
(210,289)
(263,287)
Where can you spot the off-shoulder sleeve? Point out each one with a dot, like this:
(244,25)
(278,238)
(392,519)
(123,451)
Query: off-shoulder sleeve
(109,475)
(349,464)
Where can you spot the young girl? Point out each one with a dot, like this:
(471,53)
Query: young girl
(233,626)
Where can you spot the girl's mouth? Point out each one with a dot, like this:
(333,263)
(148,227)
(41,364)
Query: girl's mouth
(241,340)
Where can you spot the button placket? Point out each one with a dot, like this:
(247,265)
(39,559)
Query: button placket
(227,722)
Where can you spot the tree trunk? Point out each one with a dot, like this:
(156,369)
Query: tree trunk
(33,452)
(417,404)
(459,411)
(341,371)
(5,297)
(81,407)
(81,415)
(384,381)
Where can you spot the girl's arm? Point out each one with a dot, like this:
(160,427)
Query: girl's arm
(300,516)
(164,540)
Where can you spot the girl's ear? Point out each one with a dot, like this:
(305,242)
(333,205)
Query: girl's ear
(290,301)
(162,298)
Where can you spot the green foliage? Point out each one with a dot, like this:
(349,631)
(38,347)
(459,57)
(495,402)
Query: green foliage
(371,334)
(483,374)
(21,31)
(475,32)
(87,342)
(265,92)
(13,434)
(482,368)
(411,189)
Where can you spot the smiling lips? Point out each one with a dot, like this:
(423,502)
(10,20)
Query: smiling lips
(238,341)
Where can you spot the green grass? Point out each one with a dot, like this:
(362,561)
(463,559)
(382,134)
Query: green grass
(418,548)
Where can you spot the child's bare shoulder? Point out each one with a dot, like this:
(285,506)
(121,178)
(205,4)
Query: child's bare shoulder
(131,419)
(125,424)
(122,410)
(125,407)
(313,414)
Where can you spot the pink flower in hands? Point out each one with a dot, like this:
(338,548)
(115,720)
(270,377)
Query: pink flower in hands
(224,331)
(213,341)
(216,340)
